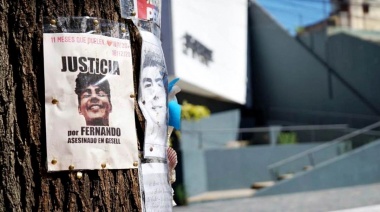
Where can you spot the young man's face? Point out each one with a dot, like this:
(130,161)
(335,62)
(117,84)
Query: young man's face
(153,94)
(95,106)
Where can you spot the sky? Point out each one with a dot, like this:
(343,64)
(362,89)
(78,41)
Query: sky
(294,13)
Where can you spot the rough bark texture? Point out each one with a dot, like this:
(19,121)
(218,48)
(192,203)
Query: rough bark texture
(25,184)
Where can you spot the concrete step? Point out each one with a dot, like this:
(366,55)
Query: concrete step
(307,168)
(285,176)
(263,184)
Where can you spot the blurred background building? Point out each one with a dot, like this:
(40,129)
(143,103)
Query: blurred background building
(266,88)
(209,56)
(356,14)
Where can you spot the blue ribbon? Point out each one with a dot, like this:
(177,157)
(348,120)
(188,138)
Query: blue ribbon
(172,83)
(174,108)
(174,114)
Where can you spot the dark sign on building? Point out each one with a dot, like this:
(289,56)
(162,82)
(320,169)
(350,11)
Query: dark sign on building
(198,50)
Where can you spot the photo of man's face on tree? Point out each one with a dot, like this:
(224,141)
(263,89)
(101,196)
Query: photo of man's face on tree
(153,90)
(94,98)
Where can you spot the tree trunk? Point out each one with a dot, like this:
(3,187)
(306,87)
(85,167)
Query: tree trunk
(25,184)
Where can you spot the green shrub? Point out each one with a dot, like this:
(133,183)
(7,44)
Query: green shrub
(287,138)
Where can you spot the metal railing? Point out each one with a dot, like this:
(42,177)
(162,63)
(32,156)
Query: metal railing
(322,153)
(318,117)
(274,135)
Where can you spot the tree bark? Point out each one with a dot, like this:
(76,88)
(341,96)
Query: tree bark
(25,184)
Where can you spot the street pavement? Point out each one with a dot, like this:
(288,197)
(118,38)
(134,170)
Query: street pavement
(363,198)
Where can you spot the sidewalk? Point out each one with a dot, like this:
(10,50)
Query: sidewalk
(356,198)
(222,195)
(374,208)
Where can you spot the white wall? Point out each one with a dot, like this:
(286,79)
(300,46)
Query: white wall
(220,26)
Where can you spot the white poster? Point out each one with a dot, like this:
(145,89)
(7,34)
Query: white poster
(157,190)
(89,102)
(153,96)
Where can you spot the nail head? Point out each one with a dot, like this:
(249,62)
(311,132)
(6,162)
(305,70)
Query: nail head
(79,175)
(54,101)
(54,161)
(103,165)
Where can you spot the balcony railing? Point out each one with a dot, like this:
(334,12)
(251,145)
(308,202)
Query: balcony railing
(315,156)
